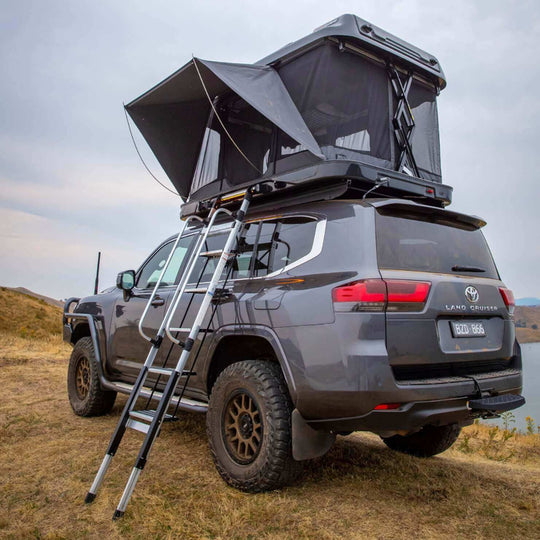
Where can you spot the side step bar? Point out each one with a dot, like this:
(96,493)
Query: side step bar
(186,404)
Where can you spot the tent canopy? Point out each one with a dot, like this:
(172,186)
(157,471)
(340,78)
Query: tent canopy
(173,115)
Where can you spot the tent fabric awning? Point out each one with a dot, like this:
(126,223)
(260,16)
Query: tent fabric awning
(172,116)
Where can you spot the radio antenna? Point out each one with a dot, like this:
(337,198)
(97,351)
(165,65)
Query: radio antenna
(96,284)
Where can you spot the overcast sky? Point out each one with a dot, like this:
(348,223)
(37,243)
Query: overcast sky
(71,183)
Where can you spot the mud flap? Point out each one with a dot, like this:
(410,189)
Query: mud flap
(308,443)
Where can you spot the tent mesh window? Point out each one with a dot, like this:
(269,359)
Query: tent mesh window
(220,159)
(344,100)
(425,138)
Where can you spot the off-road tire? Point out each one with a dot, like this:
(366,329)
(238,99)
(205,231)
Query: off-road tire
(92,400)
(427,442)
(273,466)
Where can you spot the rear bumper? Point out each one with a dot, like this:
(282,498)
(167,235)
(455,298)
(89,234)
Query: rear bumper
(409,418)
(340,380)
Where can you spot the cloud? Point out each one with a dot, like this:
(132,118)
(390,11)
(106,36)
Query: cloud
(71,183)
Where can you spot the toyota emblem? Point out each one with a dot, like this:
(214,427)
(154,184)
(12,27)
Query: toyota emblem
(471,293)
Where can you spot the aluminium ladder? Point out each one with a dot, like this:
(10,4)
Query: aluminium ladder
(150,421)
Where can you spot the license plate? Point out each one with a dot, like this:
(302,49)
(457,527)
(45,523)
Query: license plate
(464,329)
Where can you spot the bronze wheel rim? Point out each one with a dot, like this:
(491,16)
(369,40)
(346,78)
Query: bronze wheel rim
(82,378)
(243,428)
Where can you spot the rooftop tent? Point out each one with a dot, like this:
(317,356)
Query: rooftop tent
(348,101)
(173,118)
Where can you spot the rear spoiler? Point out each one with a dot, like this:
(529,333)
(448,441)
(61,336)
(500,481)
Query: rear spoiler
(403,208)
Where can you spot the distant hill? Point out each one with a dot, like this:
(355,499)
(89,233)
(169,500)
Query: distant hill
(529,301)
(527,319)
(28,316)
(50,301)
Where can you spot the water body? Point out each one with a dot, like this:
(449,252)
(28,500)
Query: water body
(531,389)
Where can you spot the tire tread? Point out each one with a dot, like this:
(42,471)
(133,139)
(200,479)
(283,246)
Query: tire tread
(98,401)
(278,467)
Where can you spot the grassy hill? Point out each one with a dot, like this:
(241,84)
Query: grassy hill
(28,292)
(526,317)
(486,486)
(29,326)
(26,316)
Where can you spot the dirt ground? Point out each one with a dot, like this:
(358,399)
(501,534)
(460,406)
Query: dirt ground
(359,490)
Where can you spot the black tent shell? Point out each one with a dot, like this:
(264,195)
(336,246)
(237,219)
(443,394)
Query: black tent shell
(370,37)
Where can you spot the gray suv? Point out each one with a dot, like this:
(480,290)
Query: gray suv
(378,315)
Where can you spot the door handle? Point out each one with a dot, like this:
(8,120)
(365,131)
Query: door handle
(158,301)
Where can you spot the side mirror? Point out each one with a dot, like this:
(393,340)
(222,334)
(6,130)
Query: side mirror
(126,280)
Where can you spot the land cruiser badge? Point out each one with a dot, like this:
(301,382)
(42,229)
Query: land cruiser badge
(471,293)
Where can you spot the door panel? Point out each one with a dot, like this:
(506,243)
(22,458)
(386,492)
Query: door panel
(128,348)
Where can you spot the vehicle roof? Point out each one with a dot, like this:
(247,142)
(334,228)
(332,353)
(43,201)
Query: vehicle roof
(376,203)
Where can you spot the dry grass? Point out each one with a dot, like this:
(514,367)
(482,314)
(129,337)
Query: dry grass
(485,487)
(359,490)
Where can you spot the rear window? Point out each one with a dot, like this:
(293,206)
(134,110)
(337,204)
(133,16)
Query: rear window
(427,246)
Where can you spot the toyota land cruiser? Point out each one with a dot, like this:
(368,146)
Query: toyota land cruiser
(381,315)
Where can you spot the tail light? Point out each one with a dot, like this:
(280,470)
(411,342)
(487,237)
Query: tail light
(381,295)
(387,407)
(508,297)
(365,295)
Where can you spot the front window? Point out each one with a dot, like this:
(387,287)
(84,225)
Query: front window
(149,274)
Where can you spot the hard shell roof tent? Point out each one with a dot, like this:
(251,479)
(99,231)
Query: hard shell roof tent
(349,105)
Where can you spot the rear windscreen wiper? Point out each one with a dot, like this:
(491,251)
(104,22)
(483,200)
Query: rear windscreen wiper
(459,268)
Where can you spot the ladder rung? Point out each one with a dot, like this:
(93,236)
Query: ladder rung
(137,426)
(169,372)
(209,330)
(215,253)
(197,290)
(148,415)
(160,370)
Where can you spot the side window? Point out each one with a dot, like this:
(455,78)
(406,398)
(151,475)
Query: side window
(278,243)
(265,247)
(151,271)
(247,243)
(292,239)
